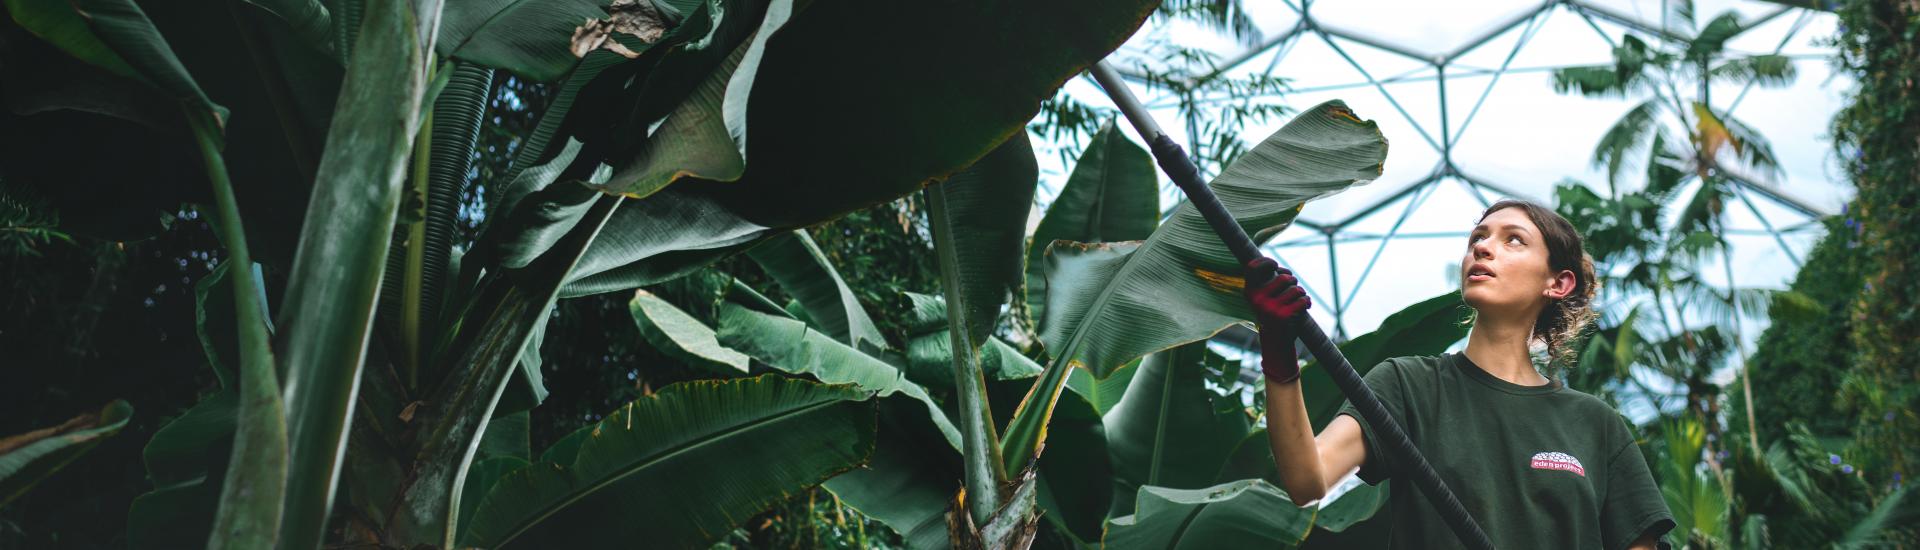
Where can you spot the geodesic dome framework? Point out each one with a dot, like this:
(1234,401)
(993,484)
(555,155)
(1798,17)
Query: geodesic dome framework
(1463,92)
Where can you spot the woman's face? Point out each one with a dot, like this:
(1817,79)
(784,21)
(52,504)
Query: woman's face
(1505,268)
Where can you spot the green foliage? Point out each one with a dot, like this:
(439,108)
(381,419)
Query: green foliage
(27,223)
(26,459)
(1800,361)
(621,472)
(1879,44)
(1242,514)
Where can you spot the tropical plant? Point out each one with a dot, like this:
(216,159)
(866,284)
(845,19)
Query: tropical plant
(1116,450)
(1641,250)
(391,353)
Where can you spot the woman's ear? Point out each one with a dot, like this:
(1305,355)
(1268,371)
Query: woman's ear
(1562,285)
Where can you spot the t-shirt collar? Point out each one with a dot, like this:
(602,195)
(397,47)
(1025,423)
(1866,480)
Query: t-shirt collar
(1481,375)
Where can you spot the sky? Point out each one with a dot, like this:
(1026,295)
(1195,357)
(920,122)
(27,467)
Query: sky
(1507,128)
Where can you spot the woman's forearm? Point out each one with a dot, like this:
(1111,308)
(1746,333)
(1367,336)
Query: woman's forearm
(1294,451)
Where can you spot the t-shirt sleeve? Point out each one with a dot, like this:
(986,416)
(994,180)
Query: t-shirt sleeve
(1385,381)
(1633,505)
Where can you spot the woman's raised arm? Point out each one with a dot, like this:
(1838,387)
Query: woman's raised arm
(1308,465)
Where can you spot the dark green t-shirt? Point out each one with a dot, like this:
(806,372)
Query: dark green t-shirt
(1536,466)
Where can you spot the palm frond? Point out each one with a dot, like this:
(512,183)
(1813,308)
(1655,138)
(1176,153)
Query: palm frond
(1895,512)
(1595,81)
(1753,149)
(1624,138)
(1220,15)
(1768,71)
(1713,36)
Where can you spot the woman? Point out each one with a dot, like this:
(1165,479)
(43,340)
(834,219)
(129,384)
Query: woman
(1538,465)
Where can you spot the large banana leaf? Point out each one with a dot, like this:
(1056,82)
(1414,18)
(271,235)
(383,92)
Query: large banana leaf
(1243,514)
(659,238)
(948,109)
(930,349)
(693,140)
(28,458)
(514,245)
(701,74)
(117,36)
(631,478)
(537,211)
(1182,284)
(1103,393)
(681,336)
(1170,430)
(904,107)
(1111,303)
(910,482)
(1112,195)
(801,268)
(791,346)
(916,466)
(984,211)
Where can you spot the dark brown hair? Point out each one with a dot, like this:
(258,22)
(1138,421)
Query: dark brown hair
(1562,320)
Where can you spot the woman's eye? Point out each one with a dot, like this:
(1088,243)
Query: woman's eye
(1515,239)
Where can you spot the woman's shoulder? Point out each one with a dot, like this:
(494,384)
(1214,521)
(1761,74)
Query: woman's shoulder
(1415,363)
(1404,366)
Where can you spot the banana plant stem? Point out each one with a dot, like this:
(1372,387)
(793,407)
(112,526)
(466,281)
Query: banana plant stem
(980,450)
(250,500)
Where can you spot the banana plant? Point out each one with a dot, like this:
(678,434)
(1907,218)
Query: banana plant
(390,353)
(1167,433)
(1109,304)
(1116,442)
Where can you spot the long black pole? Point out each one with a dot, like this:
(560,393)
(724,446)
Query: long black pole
(1173,160)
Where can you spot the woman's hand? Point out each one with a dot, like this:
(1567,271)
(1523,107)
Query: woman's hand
(1277,305)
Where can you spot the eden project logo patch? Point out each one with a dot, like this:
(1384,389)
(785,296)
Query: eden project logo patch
(1558,461)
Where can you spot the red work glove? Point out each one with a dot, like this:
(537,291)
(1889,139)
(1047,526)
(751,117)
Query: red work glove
(1277,305)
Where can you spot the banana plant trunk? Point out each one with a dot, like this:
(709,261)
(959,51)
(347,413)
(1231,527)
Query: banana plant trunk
(343,248)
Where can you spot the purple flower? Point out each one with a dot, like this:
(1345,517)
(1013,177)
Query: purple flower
(1846,468)
(1723,455)
(1896,477)
(1888,417)
(1833,459)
